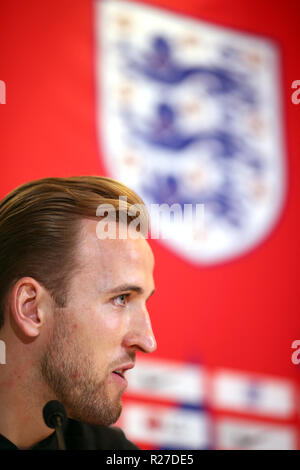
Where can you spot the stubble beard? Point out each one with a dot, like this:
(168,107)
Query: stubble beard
(70,375)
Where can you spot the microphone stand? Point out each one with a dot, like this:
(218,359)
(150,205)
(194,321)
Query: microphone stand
(59,433)
(55,416)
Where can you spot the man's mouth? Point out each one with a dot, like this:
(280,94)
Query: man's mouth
(119,373)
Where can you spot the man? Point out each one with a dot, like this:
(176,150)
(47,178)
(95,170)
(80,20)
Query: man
(73,311)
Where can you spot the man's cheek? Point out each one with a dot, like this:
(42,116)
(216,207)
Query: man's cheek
(110,324)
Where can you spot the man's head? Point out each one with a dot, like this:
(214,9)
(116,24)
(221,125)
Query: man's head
(74,304)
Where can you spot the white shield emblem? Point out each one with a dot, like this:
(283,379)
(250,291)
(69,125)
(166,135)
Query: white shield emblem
(189,114)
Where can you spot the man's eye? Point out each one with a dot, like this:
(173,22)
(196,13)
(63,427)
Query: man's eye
(122,297)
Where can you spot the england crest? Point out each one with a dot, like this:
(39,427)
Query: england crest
(189,116)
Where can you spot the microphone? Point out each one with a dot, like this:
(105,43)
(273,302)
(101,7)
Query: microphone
(55,416)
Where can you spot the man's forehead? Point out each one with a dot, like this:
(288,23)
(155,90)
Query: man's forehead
(133,250)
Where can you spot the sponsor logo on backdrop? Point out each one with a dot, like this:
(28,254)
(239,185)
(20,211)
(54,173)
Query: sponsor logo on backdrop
(250,435)
(183,421)
(166,427)
(167,380)
(247,393)
(189,113)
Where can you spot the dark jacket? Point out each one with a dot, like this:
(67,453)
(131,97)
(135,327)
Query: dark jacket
(81,436)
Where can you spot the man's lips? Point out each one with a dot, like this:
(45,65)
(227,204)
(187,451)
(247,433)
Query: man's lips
(119,372)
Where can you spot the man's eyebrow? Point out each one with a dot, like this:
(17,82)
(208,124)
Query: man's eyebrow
(127,287)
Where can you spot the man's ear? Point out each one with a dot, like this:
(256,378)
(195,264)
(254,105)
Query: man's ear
(26,306)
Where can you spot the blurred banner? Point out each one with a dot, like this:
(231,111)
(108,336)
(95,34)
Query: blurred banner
(187,103)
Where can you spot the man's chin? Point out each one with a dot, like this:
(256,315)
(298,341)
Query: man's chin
(105,416)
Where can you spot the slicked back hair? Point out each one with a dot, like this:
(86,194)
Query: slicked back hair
(40,226)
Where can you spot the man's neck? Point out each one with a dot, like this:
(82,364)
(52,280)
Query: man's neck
(21,408)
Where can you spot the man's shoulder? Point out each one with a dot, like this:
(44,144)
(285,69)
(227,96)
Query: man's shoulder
(80,435)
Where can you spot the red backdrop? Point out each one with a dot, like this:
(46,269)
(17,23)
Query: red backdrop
(242,315)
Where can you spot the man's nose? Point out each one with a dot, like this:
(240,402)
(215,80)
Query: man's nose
(140,335)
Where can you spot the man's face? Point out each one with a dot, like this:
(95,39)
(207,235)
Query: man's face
(101,328)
